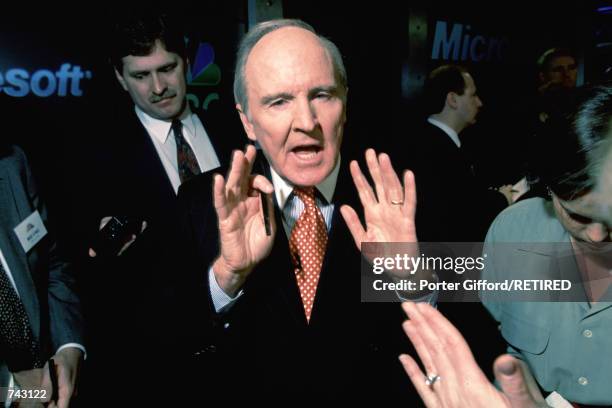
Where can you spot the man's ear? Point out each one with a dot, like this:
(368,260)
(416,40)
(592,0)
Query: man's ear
(246,123)
(451,100)
(120,79)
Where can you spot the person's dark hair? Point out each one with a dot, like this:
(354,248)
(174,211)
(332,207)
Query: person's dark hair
(136,34)
(573,144)
(441,81)
(549,55)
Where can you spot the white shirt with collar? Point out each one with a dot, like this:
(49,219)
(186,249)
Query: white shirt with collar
(162,136)
(454,136)
(283,190)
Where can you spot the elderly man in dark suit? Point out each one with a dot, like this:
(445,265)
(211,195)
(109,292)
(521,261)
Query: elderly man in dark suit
(40,316)
(282,299)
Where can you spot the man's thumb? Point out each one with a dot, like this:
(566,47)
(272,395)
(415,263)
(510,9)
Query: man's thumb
(512,381)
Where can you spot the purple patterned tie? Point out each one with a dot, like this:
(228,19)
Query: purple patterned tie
(187,162)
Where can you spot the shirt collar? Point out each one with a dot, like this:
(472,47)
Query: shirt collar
(446,129)
(283,188)
(160,129)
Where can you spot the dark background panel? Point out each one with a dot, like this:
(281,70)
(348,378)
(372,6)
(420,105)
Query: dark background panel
(374,39)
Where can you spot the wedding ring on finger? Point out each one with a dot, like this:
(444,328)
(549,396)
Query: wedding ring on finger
(431,379)
(397,202)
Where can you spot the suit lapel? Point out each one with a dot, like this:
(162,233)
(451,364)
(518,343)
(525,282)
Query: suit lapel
(341,255)
(150,167)
(283,271)
(11,215)
(277,269)
(278,265)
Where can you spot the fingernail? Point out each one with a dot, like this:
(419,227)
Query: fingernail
(507,368)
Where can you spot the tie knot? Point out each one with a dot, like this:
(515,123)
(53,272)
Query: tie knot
(177,125)
(306,194)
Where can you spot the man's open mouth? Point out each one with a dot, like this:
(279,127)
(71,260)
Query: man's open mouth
(306,152)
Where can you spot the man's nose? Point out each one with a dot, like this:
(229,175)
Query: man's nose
(597,232)
(305,117)
(159,85)
(479,102)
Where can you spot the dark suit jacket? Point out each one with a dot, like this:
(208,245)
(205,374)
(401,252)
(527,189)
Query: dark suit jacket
(264,341)
(452,205)
(44,280)
(133,298)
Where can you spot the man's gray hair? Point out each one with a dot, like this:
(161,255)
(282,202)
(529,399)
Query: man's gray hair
(257,33)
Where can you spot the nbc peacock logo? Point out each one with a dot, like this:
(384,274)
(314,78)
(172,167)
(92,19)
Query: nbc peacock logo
(203,73)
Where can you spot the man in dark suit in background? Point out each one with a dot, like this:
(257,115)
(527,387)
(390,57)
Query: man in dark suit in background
(40,315)
(453,206)
(145,155)
(282,299)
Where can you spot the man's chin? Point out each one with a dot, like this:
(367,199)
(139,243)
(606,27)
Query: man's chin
(167,114)
(304,174)
(307,179)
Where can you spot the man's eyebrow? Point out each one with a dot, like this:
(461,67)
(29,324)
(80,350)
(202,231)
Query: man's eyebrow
(332,89)
(160,68)
(139,72)
(166,66)
(270,98)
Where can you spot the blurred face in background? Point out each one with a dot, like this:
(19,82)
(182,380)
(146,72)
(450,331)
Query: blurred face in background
(562,72)
(585,217)
(469,103)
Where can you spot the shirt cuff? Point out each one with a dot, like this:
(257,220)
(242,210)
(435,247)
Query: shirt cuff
(431,298)
(11,386)
(221,300)
(75,345)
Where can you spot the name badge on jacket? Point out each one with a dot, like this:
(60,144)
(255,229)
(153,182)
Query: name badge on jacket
(30,231)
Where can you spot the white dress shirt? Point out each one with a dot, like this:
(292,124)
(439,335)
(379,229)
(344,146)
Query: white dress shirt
(446,129)
(162,135)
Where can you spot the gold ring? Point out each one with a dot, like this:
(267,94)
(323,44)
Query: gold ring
(397,202)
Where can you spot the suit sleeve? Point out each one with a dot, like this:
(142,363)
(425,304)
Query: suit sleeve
(65,316)
(452,204)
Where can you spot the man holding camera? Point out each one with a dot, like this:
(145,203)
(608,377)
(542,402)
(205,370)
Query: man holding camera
(153,149)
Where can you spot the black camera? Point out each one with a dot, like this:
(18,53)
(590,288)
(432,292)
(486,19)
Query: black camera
(115,234)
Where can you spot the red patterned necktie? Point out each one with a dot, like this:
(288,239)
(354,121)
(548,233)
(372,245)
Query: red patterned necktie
(186,159)
(307,244)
